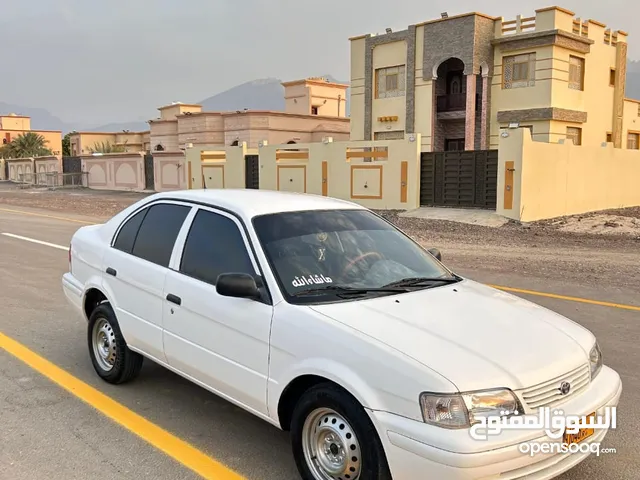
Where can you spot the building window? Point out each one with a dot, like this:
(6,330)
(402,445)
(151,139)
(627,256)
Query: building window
(519,71)
(576,73)
(292,142)
(575,134)
(390,82)
(609,137)
(633,141)
(454,144)
(314,110)
(639,109)
(612,77)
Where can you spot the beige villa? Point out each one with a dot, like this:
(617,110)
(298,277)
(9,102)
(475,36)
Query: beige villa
(314,109)
(13,125)
(83,143)
(460,81)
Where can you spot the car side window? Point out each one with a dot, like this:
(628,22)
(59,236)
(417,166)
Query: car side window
(127,234)
(213,246)
(158,232)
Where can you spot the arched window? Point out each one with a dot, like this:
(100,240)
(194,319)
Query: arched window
(159,148)
(292,142)
(456,85)
(235,143)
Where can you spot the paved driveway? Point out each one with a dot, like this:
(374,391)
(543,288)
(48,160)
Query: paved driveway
(47,432)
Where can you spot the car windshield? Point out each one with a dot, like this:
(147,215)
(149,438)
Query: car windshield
(340,252)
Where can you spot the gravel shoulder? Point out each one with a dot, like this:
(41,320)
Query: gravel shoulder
(569,248)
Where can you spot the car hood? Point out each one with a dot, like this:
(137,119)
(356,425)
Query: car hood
(475,336)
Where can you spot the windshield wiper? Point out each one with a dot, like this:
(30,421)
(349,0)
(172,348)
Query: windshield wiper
(419,281)
(344,290)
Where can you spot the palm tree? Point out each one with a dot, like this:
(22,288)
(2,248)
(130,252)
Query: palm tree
(5,151)
(29,144)
(106,147)
(66,145)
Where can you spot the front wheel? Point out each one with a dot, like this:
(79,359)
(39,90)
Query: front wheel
(334,439)
(110,356)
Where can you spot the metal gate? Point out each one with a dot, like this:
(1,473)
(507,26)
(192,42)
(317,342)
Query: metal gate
(459,179)
(252,172)
(72,165)
(149,181)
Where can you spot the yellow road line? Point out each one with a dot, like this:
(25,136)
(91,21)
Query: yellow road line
(66,219)
(569,299)
(178,449)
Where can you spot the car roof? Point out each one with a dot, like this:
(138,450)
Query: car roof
(251,203)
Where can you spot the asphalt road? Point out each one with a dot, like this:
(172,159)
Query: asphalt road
(46,432)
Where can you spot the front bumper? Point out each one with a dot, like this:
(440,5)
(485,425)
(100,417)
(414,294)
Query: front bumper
(418,450)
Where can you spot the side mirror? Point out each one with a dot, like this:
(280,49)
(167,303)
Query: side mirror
(436,253)
(239,285)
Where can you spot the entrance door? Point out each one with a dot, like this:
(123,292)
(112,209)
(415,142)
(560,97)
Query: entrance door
(223,342)
(454,145)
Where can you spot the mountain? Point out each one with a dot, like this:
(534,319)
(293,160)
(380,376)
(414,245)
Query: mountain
(262,94)
(633,79)
(41,119)
(633,85)
(138,126)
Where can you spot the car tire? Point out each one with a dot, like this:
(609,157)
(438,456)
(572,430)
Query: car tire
(333,437)
(110,356)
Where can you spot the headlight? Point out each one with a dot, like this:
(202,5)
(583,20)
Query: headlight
(465,409)
(595,359)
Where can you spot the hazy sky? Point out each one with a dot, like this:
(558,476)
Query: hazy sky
(117,60)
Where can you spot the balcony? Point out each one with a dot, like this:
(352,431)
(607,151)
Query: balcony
(453,102)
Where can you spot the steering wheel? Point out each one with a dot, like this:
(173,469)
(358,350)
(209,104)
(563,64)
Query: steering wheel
(356,260)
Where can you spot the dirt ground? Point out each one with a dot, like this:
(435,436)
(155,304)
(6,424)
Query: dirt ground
(589,248)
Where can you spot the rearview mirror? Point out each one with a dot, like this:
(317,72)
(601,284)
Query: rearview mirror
(239,285)
(436,253)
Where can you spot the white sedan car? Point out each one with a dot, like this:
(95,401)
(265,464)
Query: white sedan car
(325,320)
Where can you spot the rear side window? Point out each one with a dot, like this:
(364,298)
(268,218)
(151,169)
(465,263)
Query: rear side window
(158,232)
(127,234)
(214,245)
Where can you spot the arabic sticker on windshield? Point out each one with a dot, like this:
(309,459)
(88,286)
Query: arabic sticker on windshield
(307,280)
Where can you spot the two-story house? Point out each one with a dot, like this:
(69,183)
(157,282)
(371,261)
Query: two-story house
(459,80)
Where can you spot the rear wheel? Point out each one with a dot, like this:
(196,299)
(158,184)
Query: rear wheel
(334,439)
(110,356)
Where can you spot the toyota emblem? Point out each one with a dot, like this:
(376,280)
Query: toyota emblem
(565,387)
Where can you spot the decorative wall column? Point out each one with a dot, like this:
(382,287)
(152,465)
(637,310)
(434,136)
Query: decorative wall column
(484,119)
(470,117)
(618,93)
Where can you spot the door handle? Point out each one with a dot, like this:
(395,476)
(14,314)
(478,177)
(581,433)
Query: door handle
(174,299)
(111,271)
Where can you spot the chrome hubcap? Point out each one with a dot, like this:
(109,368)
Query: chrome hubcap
(330,446)
(104,344)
